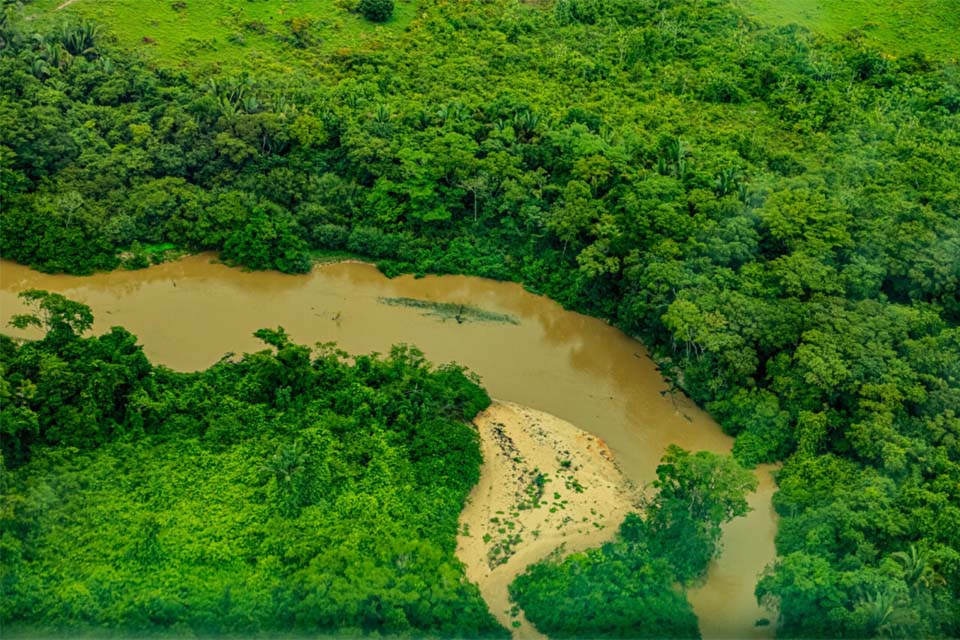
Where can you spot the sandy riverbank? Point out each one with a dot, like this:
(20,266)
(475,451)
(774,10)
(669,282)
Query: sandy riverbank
(543,483)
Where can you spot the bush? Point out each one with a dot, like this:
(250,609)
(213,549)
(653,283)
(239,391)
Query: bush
(376,10)
(373,243)
(330,236)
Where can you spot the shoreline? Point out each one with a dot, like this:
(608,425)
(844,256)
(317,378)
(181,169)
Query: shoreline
(545,485)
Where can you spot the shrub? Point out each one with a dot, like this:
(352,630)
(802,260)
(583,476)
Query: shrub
(376,10)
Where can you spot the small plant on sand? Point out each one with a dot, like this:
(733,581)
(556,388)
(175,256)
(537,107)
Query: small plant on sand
(534,490)
(503,550)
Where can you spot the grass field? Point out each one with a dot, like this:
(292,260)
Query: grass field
(257,34)
(898,27)
(253,34)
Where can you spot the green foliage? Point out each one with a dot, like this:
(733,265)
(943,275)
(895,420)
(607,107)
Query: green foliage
(291,490)
(58,316)
(775,213)
(376,10)
(65,389)
(620,590)
(697,493)
(265,243)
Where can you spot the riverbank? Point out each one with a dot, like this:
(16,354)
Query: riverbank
(564,363)
(544,484)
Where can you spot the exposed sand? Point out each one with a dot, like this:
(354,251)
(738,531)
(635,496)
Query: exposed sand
(511,520)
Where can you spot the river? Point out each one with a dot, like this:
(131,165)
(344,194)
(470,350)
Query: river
(188,314)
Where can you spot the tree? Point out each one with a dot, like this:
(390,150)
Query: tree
(268,242)
(698,492)
(376,10)
(808,594)
(288,467)
(59,317)
(620,590)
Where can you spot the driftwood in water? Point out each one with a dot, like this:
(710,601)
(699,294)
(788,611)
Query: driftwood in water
(448,310)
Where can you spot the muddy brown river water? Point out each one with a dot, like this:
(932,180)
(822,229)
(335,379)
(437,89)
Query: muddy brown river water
(189,313)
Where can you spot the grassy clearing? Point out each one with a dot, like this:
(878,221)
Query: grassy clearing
(898,27)
(281,35)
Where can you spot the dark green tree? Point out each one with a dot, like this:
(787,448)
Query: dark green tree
(376,10)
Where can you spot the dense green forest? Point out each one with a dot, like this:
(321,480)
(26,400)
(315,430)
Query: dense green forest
(286,490)
(776,214)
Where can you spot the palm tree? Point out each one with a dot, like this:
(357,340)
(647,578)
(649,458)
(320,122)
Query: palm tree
(53,53)
(916,572)
(525,124)
(287,467)
(881,612)
(914,564)
(80,39)
(727,181)
(40,69)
